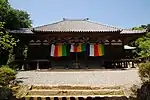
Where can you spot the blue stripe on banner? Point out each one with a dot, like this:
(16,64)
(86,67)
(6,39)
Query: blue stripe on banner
(87,49)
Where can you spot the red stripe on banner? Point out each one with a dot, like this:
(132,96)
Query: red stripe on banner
(96,50)
(56,51)
(75,48)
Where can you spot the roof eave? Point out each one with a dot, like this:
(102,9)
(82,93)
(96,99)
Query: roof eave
(133,33)
(75,31)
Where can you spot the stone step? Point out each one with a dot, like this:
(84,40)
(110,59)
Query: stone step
(74,92)
(90,97)
(75,87)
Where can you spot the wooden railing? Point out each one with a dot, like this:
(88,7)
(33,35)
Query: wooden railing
(123,63)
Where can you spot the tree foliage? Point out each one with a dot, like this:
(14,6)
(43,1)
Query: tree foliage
(143,50)
(7,42)
(13,18)
(143,43)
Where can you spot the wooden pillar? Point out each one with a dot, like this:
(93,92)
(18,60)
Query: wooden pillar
(22,67)
(37,66)
(49,64)
(120,64)
(27,66)
(76,60)
(50,59)
(86,65)
(68,55)
(132,64)
(126,64)
(123,54)
(114,64)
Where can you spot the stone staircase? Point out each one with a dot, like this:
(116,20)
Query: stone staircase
(74,93)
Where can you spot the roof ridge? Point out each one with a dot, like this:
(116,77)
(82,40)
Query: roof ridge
(109,26)
(67,19)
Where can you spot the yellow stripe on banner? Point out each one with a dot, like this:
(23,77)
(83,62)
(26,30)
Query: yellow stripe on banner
(100,50)
(60,50)
(79,47)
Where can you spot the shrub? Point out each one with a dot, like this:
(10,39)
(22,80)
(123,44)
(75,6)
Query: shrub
(143,93)
(6,75)
(144,72)
(5,93)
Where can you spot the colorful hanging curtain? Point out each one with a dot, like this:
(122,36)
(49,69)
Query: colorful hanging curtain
(78,48)
(96,50)
(58,50)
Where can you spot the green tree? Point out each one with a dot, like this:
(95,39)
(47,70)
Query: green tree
(143,43)
(143,50)
(13,18)
(7,42)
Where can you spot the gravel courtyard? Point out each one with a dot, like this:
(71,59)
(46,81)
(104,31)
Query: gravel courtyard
(92,78)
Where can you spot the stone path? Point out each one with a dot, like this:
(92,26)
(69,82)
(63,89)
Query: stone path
(92,78)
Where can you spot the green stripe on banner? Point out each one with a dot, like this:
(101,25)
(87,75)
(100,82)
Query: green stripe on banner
(64,51)
(102,48)
(83,47)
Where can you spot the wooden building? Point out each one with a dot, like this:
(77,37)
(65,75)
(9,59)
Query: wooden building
(39,41)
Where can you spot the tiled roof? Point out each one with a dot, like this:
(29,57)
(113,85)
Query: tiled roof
(130,31)
(79,25)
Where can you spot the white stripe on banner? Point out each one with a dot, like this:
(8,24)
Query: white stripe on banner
(72,48)
(91,50)
(52,49)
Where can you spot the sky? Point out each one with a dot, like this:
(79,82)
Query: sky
(119,13)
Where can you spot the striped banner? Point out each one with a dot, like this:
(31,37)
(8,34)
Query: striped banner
(78,48)
(96,50)
(58,50)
